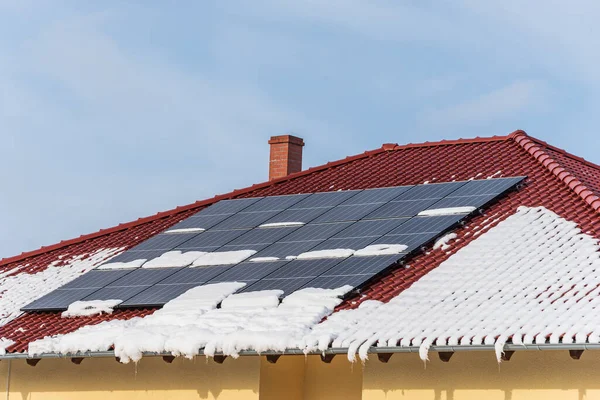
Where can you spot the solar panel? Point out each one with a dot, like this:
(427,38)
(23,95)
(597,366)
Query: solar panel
(362,265)
(276,203)
(304,268)
(96,279)
(287,285)
(364,228)
(211,239)
(332,220)
(249,271)
(347,213)
(157,295)
(305,215)
(194,275)
(165,241)
(380,195)
(246,220)
(325,199)
(115,293)
(59,299)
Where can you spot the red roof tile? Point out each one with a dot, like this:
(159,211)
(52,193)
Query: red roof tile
(563,183)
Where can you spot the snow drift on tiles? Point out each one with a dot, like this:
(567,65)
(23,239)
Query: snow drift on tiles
(532,278)
(21,289)
(191,322)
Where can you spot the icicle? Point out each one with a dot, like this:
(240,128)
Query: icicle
(499,347)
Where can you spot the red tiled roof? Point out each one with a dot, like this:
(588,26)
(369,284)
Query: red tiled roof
(563,183)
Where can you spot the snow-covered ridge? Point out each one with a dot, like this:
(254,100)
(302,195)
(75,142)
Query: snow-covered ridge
(191,322)
(91,307)
(532,278)
(21,289)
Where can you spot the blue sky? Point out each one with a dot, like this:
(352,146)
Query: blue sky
(114,110)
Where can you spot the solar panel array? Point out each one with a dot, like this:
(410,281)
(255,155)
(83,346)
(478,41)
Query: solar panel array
(350,219)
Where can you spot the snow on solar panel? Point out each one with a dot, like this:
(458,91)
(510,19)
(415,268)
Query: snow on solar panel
(324,229)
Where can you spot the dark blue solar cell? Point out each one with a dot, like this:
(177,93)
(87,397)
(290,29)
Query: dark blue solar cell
(276,203)
(430,191)
(95,279)
(427,224)
(305,268)
(325,199)
(347,213)
(228,206)
(375,227)
(316,232)
(255,247)
(305,215)
(363,265)
(263,235)
(395,209)
(143,276)
(249,271)
(380,195)
(287,285)
(157,295)
(412,241)
(245,220)
(465,201)
(284,249)
(165,241)
(201,221)
(131,255)
(196,275)
(58,299)
(487,186)
(115,293)
(334,282)
(212,239)
(349,243)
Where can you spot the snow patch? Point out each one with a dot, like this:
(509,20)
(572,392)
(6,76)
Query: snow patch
(447,211)
(264,259)
(497,173)
(124,265)
(186,230)
(4,343)
(380,250)
(259,299)
(444,241)
(91,307)
(280,224)
(223,258)
(174,259)
(332,253)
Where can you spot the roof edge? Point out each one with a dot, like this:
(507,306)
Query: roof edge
(532,146)
(238,192)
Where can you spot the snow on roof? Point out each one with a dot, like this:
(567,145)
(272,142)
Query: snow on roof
(330,253)
(223,258)
(124,265)
(447,211)
(380,250)
(90,307)
(192,322)
(534,277)
(281,224)
(23,288)
(444,242)
(186,230)
(174,259)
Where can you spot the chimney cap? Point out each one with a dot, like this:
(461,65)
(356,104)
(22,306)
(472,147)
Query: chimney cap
(286,139)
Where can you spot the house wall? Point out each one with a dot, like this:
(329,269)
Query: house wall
(151,378)
(469,375)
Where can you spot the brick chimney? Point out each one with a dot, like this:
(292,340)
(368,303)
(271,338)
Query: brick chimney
(286,156)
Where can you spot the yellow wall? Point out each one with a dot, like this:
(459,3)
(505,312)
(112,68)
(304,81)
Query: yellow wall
(151,378)
(469,375)
(528,375)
